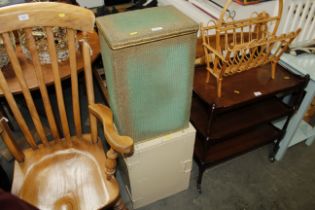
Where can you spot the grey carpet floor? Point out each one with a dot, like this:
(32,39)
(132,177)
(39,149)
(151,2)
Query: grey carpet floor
(250,182)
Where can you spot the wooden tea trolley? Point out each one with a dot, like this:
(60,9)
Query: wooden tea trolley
(242,119)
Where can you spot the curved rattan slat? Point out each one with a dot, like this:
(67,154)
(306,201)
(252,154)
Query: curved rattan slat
(234,46)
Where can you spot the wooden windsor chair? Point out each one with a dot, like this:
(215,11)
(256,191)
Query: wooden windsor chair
(70,170)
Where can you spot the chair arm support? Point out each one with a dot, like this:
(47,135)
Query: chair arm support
(121,144)
(7,138)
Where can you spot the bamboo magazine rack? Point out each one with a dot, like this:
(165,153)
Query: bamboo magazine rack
(233,46)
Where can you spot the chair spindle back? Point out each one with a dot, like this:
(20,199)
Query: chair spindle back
(22,19)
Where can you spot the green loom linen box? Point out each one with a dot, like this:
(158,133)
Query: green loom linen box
(148,57)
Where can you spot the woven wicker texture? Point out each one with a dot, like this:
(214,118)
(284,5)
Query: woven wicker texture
(142,26)
(150,83)
(240,45)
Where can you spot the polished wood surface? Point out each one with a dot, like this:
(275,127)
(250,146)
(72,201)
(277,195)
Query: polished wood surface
(64,176)
(216,153)
(61,169)
(121,144)
(240,88)
(74,80)
(64,71)
(229,124)
(16,112)
(26,92)
(41,81)
(90,91)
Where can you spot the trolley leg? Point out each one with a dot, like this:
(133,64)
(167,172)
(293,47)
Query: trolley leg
(201,171)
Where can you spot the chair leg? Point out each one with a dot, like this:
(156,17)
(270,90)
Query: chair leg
(5,112)
(4,180)
(120,205)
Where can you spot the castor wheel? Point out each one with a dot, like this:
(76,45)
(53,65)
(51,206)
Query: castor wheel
(272,159)
(199,188)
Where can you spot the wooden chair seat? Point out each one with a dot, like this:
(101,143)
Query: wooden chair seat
(63,176)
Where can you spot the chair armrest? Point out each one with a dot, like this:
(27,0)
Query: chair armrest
(121,144)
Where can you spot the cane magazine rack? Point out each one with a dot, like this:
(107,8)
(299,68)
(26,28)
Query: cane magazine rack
(233,46)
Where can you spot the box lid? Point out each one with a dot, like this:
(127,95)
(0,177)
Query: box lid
(142,26)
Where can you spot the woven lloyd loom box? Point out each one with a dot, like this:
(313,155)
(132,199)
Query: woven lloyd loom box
(148,57)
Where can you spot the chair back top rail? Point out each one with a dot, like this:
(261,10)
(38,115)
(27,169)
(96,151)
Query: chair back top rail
(45,14)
